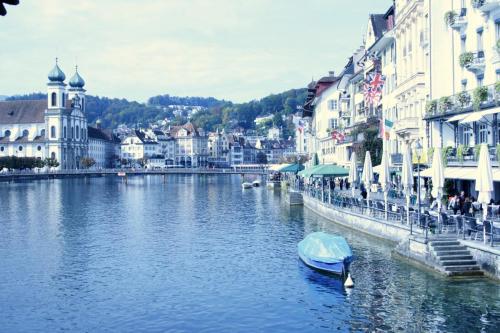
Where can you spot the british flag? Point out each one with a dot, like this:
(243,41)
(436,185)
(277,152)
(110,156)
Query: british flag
(372,88)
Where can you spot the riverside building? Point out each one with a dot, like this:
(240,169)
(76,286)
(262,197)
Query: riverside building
(53,128)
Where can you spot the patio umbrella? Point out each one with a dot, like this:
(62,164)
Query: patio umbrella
(367,175)
(384,176)
(437,179)
(484,179)
(407,178)
(353,172)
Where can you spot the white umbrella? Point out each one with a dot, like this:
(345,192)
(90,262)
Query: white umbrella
(384,176)
(367,175)
(484,179)
(407,179)
(353,172)
(437,179)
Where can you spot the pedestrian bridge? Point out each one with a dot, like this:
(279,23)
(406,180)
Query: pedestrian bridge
(7,176)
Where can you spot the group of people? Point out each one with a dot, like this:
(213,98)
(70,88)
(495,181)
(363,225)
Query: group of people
(461,203)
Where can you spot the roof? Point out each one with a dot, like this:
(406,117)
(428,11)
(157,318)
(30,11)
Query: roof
(96,133)
(189,127)
(22,112)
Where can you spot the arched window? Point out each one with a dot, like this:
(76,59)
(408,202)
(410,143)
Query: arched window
(2,148)
(52,131)
(77,131)
(42,133)
(53,155)
(26,133)
(63,99)
(39,148)
(83,104)
(7,133)
(64,131)
(83,134)
(20,148)
(53,99)
(72,132)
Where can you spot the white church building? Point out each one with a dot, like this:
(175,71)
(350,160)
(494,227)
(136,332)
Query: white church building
(53,128)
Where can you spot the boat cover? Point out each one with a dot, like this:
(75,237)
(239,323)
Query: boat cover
(323,247)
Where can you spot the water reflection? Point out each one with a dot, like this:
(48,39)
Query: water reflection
(199,254)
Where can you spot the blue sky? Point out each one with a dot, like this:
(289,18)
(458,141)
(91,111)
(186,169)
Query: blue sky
(233,49)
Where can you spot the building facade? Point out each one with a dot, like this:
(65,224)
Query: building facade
(55,128)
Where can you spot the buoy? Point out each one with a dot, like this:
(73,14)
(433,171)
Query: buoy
(348,282)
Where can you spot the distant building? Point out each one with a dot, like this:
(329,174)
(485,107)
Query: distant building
(263,119)
(54,128)
(274,133)
(191,146)
(104,147)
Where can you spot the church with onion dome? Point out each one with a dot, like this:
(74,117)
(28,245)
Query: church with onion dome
(52,128)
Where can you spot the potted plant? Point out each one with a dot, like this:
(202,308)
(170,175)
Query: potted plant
(466,59)
(460,153)
(445,104)
(431,107)
(450,17)
(430,153)
(477,3)
(445,154)
(480,95)
(463,98)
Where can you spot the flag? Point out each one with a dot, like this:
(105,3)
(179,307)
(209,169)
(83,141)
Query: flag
(372,88)
(338,136)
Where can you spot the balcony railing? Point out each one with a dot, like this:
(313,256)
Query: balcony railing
(464,101)
(460,21)
(474,62)
(485,6)
(468,156)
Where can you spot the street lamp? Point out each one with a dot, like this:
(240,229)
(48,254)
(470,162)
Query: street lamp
(418,151)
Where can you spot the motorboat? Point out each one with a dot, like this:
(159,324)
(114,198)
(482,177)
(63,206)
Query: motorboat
(326,252)
(246,185)
(256,183)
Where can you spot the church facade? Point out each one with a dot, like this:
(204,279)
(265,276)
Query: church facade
(54,128)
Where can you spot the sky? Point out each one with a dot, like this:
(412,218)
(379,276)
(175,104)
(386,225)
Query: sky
(236,50)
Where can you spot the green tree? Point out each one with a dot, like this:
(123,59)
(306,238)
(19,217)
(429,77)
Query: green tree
(87,162)
(261,158)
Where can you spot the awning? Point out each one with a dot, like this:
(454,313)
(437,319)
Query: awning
(476,116)
(325,170)
(458,117)
(378,169)
(292,168)
(278,167)
(463,173)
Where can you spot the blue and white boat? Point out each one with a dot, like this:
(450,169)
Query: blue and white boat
(326,252)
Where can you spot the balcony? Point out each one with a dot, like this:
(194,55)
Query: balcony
(407,127)
(486,6)
(485,97)
(459,22)
(473,62)
(468,156)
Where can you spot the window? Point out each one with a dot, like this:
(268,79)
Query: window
(20,148)
(480,40)
(333,123)
(2,148)
(479,81)
(83,134)
(497,29)
(72,132)
(53,132)
(332,104)
(483,133)
(53,155)
(42,133)
(53,99)
(63,99)
(7,133)
(64,132)
(463,43)
(26,133)
(466,134)
(39,148)
(77,131)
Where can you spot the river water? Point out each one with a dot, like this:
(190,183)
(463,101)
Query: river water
(199,254)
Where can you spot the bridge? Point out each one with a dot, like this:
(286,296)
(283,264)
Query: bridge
(56,174)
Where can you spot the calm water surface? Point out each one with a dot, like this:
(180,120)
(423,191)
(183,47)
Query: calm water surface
(198,254)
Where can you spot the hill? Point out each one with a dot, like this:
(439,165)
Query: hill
(207,112)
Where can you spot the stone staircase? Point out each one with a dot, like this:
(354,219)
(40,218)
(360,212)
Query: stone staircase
(454,259)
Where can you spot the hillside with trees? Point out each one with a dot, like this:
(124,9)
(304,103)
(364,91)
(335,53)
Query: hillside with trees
(214,113)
